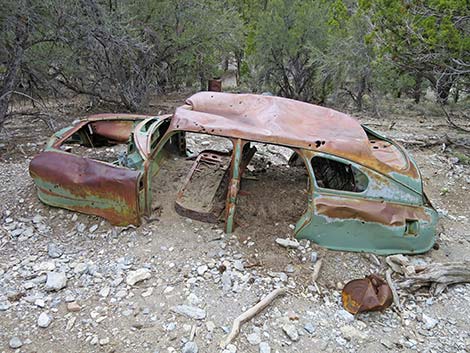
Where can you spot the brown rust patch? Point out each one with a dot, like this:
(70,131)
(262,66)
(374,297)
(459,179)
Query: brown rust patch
(114,130)
(383,212)
(285,122)
(71,177)
(203,194)
(368,294)
(99,118)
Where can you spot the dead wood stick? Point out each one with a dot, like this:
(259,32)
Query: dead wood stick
(449,120)
(250,313)
(316,270)
(396,298)
(438,276)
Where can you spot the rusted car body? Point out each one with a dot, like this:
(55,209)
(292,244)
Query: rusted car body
(365,192)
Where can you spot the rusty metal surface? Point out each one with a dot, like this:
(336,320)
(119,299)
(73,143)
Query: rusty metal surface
(386,213)
(287,122)
(368,294)
(113,130)
(88,186)
(208,165)
(390,215)
(143,137)
(113,122)
(214,85)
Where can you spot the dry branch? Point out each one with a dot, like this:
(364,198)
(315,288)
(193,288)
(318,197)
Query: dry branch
(250,313)
(438,276)
(316,270)
(431,142)
(451,122)
(396,299)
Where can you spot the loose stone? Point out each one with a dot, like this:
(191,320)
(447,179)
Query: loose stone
(44,320)
(137,276)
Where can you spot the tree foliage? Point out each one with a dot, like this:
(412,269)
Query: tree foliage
(427,39)
(123,51)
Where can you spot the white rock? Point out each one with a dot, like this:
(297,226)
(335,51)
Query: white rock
(70,323)
(341,341)
(309,328)
(350,332)
(104,341)
(210,326)
(56,281)
(15,343)
(54,251)
(44,320)
(190,347)
(147,293)
(429,322)
(137,276)
(44,266)
(264,347)
(104,292)
(192,312)
(202,269)
(226,281)
(238,264)
(4,306)
(193,299)
(345,315)
(80,268)
(231,348)
(291,332)
(168,290)
(40,303)
(254,338)
(287,243)
(387,343)
(28,285)
(121,293)
(81,227)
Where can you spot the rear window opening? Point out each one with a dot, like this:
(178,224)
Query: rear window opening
(331,174)
(196,143)
(105,140)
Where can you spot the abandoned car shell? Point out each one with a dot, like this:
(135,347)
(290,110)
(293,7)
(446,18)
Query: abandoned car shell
(364,193)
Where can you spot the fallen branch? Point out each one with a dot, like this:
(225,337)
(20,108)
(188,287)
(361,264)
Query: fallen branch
(250,313)
(316,273)
(45,117)
(450,122)
(316,270)
(431,142)
(396,298)
(438,276)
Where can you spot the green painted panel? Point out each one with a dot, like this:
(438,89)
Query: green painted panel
(357,235)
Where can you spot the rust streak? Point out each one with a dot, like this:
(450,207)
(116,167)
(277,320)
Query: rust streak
(386,213)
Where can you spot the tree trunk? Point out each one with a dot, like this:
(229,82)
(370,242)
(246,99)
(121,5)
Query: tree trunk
(202,81)
(11,77)
(239,58)
(360,92)
(417,87)
(443,86)
(456,94)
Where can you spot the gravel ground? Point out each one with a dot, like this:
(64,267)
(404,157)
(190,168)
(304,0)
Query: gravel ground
(72,283)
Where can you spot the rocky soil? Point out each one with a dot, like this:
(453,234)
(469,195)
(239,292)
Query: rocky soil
(72,283)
